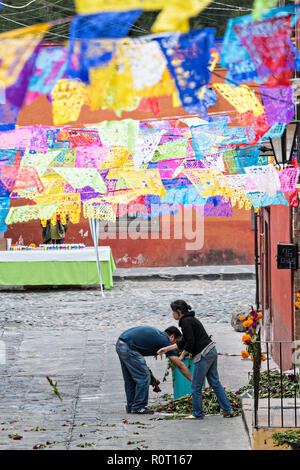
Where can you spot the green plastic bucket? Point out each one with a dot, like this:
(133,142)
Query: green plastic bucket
(181,385)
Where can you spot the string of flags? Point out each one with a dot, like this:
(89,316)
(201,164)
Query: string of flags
(210,162)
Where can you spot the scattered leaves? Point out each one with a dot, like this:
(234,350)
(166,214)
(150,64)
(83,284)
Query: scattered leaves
(183,405)
(86,444)
(135,442)
(54,386)
(15,437)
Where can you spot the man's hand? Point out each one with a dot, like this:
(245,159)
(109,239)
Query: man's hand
(162,351)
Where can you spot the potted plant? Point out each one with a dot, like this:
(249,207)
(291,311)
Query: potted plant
(287,438)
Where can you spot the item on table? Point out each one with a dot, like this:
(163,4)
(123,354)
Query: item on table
(32,246)
(67,246)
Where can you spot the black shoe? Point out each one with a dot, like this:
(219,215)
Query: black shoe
(144,411)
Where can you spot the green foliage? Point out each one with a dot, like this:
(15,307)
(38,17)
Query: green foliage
(54,386)
(290,385)
(210,404)
(286,437)
(183,405)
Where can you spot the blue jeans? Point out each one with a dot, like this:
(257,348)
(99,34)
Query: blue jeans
(136,377)
(207,367)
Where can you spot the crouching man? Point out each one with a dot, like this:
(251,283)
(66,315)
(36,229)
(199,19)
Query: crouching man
(131,347)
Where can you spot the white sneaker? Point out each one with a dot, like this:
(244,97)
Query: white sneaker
(193,417)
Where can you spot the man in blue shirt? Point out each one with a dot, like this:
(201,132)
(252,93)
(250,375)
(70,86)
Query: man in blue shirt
(132,346)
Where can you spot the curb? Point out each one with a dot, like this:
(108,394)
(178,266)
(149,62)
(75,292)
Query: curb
(247,418)
(184,277)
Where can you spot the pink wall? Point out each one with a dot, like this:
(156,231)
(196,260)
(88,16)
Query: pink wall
(281,298)
(281,279)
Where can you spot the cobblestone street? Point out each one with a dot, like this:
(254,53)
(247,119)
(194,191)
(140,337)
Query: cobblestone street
(129,303)
(70,334)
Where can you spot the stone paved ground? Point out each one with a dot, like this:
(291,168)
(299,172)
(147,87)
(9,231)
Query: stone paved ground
(69,335)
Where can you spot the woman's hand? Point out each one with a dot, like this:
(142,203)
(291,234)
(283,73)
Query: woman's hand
(183,354)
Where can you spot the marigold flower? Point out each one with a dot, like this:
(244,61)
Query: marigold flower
(251,358)
(246,338)
(242,318)
(263,357)
(244,354)
(259,315)
(246,324)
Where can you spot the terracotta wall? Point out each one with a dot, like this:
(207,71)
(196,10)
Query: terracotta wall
(213,240)
(225,240)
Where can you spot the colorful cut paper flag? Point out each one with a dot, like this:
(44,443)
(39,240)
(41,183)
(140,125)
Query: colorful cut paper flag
(16,48)
(4,208)
(146,145)
(81,177)
(8,116)
(188,56)
(18,178)
(87,33)
(120,133)
(27,213)
(235,56)
(268,43)
(22,138)
(259,6)
(39,161)
(173,17)
(50,66)
(242,98)
(279,104)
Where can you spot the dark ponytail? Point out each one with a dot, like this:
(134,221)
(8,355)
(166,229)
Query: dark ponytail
(182,306)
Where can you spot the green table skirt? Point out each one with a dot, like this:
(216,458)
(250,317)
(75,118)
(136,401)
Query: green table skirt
(49,273)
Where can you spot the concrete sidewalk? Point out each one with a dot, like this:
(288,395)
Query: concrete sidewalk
(180,273)
(92,414)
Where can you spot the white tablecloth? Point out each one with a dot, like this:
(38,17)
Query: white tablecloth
(80,254)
